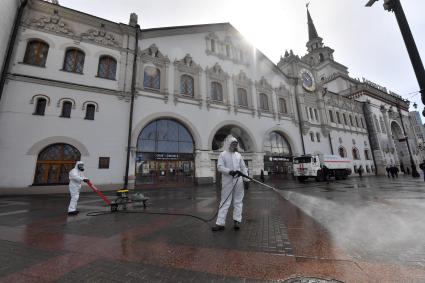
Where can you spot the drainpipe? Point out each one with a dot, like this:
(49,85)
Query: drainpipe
(11,44)
(133,93)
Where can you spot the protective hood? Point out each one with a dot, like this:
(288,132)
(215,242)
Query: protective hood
(229,139)
(78,163)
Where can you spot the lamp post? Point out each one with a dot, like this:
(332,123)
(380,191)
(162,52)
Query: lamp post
(415,173)
(409,41)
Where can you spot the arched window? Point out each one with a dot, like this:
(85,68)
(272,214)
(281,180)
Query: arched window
(276,144)
(152,78)
(54,163)
(74,61)
(165,136)
(342,152)
(242,97)
(216,91)
(264,102)
(107,67)
(318,137)
(40,106)
(322,58)
(227,50)
(212,45)
(36,53)
(356,155)
(90,109)
(312,136)
(282,106)
(186,85)
(66,109)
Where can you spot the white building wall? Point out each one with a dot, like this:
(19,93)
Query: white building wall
(28,134)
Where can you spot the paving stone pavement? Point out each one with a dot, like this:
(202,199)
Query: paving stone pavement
(356,230)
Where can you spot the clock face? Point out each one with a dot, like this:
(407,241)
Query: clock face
(307,80)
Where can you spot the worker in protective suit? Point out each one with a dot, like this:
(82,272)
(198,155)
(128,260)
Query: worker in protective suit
(230,163)
(76,176)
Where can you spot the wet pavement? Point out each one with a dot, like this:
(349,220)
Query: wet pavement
(357,230)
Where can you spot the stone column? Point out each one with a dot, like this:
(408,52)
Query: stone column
(374,140)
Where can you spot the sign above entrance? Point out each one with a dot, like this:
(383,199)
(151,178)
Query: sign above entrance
(277,159)
(164,156)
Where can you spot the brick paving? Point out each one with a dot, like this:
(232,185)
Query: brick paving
(305,236)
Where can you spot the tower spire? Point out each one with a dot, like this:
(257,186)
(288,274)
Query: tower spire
(317,52)
(312,32)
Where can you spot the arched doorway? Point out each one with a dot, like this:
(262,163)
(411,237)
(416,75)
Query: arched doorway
(54,163)
(278,156)
(218,144)
(165,155)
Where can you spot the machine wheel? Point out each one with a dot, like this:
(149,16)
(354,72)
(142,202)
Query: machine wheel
(320,177)
(301,179)
(338,175)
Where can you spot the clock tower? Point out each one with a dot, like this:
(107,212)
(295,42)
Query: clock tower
(317,51)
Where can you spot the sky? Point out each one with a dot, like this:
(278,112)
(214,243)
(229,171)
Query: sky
(366,40)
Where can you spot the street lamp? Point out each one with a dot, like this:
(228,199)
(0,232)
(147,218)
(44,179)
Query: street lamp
(415,173)
(409,41)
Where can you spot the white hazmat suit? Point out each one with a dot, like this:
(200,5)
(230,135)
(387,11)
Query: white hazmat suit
(230,161)
(76,176)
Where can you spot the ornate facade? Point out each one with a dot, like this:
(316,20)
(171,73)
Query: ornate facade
(70,85)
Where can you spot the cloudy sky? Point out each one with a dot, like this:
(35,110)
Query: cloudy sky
(366,40)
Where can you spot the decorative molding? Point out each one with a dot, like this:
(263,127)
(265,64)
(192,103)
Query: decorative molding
(217,73)
(66,85)
(34,98)
(53,23)
(152,54)
(101,37)
(225,49)
(60,101)
(90,102)
(264,86)
(187,65)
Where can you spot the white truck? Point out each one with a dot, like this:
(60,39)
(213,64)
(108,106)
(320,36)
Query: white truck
(318,166)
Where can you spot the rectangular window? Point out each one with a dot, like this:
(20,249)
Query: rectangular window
(338,118)
(331,116)
(104,162)
(345,119)
(361,120)
(315,115)
(351,121)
